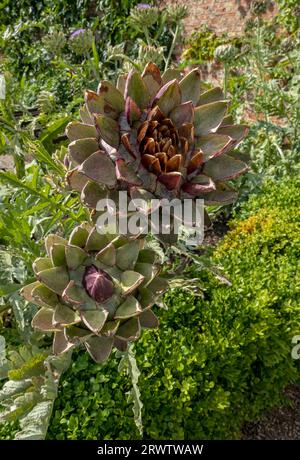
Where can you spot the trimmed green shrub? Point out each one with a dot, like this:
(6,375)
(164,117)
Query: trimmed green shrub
(215,362)
(8,430)
(92,402)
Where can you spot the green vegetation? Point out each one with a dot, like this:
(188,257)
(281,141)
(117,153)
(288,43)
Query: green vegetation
(201,45)
(215,362)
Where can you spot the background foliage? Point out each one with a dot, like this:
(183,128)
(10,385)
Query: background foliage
(215,362)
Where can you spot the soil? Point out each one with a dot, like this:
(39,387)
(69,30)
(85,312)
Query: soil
(217,231)
(280,423)
(6,162)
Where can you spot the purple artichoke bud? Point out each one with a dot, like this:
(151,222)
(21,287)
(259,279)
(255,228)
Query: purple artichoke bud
(76,33)
(97,283)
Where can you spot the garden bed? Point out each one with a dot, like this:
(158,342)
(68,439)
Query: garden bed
(279,423)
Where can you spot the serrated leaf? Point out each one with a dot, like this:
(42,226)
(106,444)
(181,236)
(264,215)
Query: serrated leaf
(128,364)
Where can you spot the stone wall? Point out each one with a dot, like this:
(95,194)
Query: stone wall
(221,15)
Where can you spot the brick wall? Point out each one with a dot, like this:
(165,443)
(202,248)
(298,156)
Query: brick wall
(221,15)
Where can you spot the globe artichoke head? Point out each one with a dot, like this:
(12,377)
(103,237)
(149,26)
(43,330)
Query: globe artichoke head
(81,41)
(225,53)
(96,290)
(159,133)
(54,42)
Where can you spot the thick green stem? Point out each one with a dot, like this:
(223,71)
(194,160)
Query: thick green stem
(225,79)
(260,66)
(90,62)
(147,36)
(174,41)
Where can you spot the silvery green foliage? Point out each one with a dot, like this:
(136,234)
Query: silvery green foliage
(128,363)
(46,102)
(3,359)
(54,42)
(29,394)
(2,87)
(12,277)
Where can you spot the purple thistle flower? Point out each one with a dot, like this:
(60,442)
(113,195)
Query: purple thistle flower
(76,33)
(143,6)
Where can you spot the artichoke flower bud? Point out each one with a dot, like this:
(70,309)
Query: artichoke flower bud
(164,136)
(259,7)
(54,42)
(143,15)
(81,41)
(98,284)
(150,53)
(177,12)
(225,53)
(96,290)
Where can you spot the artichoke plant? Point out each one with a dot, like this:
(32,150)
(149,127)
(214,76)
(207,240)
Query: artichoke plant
(81,41)
(225,53)
(95,289)
(55,42)
(157,133)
